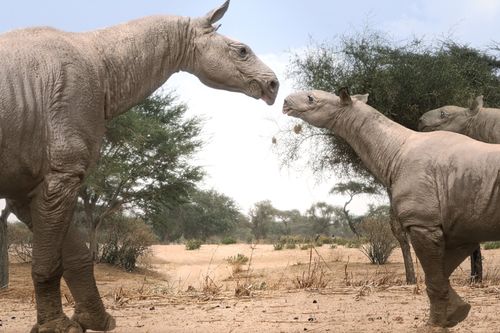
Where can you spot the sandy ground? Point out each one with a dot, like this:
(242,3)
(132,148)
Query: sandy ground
(194,291)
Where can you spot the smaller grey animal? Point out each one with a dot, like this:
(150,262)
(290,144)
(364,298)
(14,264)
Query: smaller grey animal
(477,122)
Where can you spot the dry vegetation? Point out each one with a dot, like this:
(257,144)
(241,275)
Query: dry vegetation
(243,288)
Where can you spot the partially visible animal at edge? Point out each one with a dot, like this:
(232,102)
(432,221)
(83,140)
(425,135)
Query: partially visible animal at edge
(477,122)
(57,91)
(444,187)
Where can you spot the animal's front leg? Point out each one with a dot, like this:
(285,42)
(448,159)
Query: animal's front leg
(79,276)
(429,246)
(51,209)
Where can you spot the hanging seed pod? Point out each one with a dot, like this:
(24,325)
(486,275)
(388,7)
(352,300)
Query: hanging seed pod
(274,140)
(297,129)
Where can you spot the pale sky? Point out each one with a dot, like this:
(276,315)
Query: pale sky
(238,156)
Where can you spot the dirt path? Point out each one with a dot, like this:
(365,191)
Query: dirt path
(358,297)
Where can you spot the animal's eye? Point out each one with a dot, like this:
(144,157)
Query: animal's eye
(243,51)
(443,114)
(310,98)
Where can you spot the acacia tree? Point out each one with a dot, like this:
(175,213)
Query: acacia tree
(351,189)
(261,217)
(322,215)
(144,163)
(403,80)
(205,214)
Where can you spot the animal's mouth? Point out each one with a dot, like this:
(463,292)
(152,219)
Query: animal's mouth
(267,91)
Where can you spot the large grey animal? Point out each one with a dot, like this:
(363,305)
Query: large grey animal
(57,90)
(477,122)
(432,178)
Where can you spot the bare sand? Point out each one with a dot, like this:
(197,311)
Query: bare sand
(195,291)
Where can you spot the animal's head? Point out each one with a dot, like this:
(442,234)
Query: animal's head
(317,107)
(449,118)
(223,63)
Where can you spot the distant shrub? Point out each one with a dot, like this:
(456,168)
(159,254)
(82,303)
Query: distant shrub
(228,240)
(347,242)
(237,259)
(193,244)
(305,246)
(325,240)
(491,245)
(290,246)
(380,241)
(123,240)
(20,241)
(237,262)
(278,246)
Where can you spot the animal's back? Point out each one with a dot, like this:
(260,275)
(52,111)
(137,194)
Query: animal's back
(455,180)
(37,68)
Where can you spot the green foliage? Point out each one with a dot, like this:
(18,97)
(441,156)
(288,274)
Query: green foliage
(123,240)
(321,216)
(204,214)
(261,217)
(145,163)
(20,241)
(193,244)
(238,259)
(228,240)
(404,80)
(491,245)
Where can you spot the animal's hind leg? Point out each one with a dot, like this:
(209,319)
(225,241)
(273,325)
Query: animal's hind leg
(457,310)
(51,210)
(79,276)
(429,246)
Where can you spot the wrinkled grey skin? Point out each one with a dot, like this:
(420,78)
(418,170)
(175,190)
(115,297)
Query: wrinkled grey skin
(444,187)
(479,123)
(57,90)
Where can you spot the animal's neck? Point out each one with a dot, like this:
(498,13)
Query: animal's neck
(485,126)
(376,139)
(139,56)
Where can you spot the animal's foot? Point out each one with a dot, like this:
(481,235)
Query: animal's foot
(456,314)
(432,329)
(60,325)
(96,322)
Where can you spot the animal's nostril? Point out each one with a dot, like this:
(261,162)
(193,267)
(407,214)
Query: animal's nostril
(273,85)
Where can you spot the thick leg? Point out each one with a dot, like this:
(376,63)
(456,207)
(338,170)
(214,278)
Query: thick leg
(457,310)
(79,275)
(51,211)
(429,247)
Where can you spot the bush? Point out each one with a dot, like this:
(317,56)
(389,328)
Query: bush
(491,245)
(278,246)
(228,240)
(123,240)
(290,246)
(20,241)
(237,261)
(379,239)
(193,244)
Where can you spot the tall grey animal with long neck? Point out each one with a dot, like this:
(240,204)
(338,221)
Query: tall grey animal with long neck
(432,178)
(57,90)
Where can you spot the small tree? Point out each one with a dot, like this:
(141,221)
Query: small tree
(376,230)
(380,240)
(124,240)
(261,217)
(351,189)
(20,241)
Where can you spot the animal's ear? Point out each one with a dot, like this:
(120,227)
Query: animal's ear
(361,98)
(476,105)
(216,14)
(345,99)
